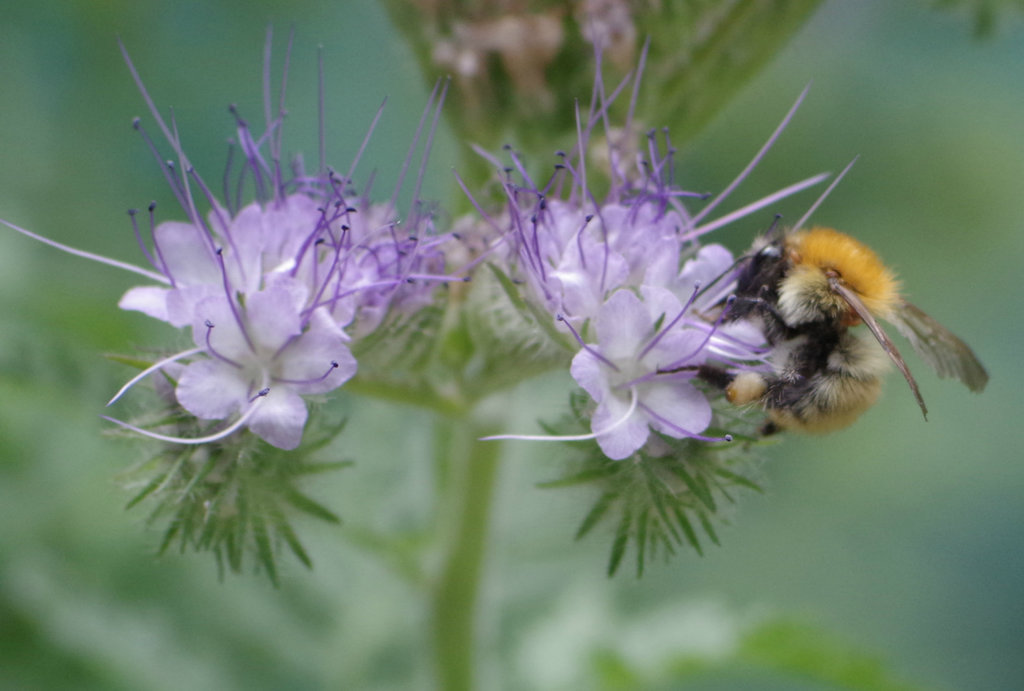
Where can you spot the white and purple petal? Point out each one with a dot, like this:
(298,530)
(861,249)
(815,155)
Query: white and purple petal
(212,389)
(280,418)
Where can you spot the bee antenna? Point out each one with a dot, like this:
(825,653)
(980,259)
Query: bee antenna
(803,219)
(774,229)
(855,303)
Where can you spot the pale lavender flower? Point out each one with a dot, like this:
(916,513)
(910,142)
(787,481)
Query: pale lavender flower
(621,373)
(577,255)
(274,290)
(271,350)
(629,279)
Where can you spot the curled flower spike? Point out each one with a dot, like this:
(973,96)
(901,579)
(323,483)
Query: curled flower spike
(628,276)
(274,289)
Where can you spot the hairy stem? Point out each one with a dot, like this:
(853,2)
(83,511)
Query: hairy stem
(467,472)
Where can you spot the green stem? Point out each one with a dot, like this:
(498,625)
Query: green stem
(468,469)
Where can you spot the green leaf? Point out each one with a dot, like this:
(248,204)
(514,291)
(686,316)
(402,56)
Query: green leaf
(235,536)
(597,511)
(620,542)
(708,528)
(168,537)
(641,542)
(738,479)
(199,477)
(656,489)
(806,652)
(263,549)
(666,542)
(145,491)
(698,489)
(702,53)
(284,529)
(316,468)
(691,534)
(303,503)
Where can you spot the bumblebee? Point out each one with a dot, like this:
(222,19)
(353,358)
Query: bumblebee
(809,289)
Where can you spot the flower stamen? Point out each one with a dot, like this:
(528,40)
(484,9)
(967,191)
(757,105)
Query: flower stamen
(333,366)
(226,432)
(589,349)
(680,430)
(213,351)
(571,437)
(149,370)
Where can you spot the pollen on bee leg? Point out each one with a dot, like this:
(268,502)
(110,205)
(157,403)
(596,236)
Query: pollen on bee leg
(746,387)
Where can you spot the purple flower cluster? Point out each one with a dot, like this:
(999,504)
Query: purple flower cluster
(630,281)
(273,290)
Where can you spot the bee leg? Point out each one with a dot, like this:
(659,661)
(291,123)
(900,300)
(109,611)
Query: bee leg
(745,306)
(740,389)
(718,377)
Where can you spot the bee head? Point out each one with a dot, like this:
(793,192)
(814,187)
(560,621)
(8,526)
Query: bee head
(819,256)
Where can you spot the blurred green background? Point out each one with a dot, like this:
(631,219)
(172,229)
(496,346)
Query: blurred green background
(900,538)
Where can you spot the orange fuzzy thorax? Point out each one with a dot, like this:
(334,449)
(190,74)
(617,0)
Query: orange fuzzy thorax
(855,263)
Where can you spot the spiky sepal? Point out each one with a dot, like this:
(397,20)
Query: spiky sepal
(668,495)
(233,498)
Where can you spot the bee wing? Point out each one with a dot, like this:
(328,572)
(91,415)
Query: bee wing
(939,347)
(855,303)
